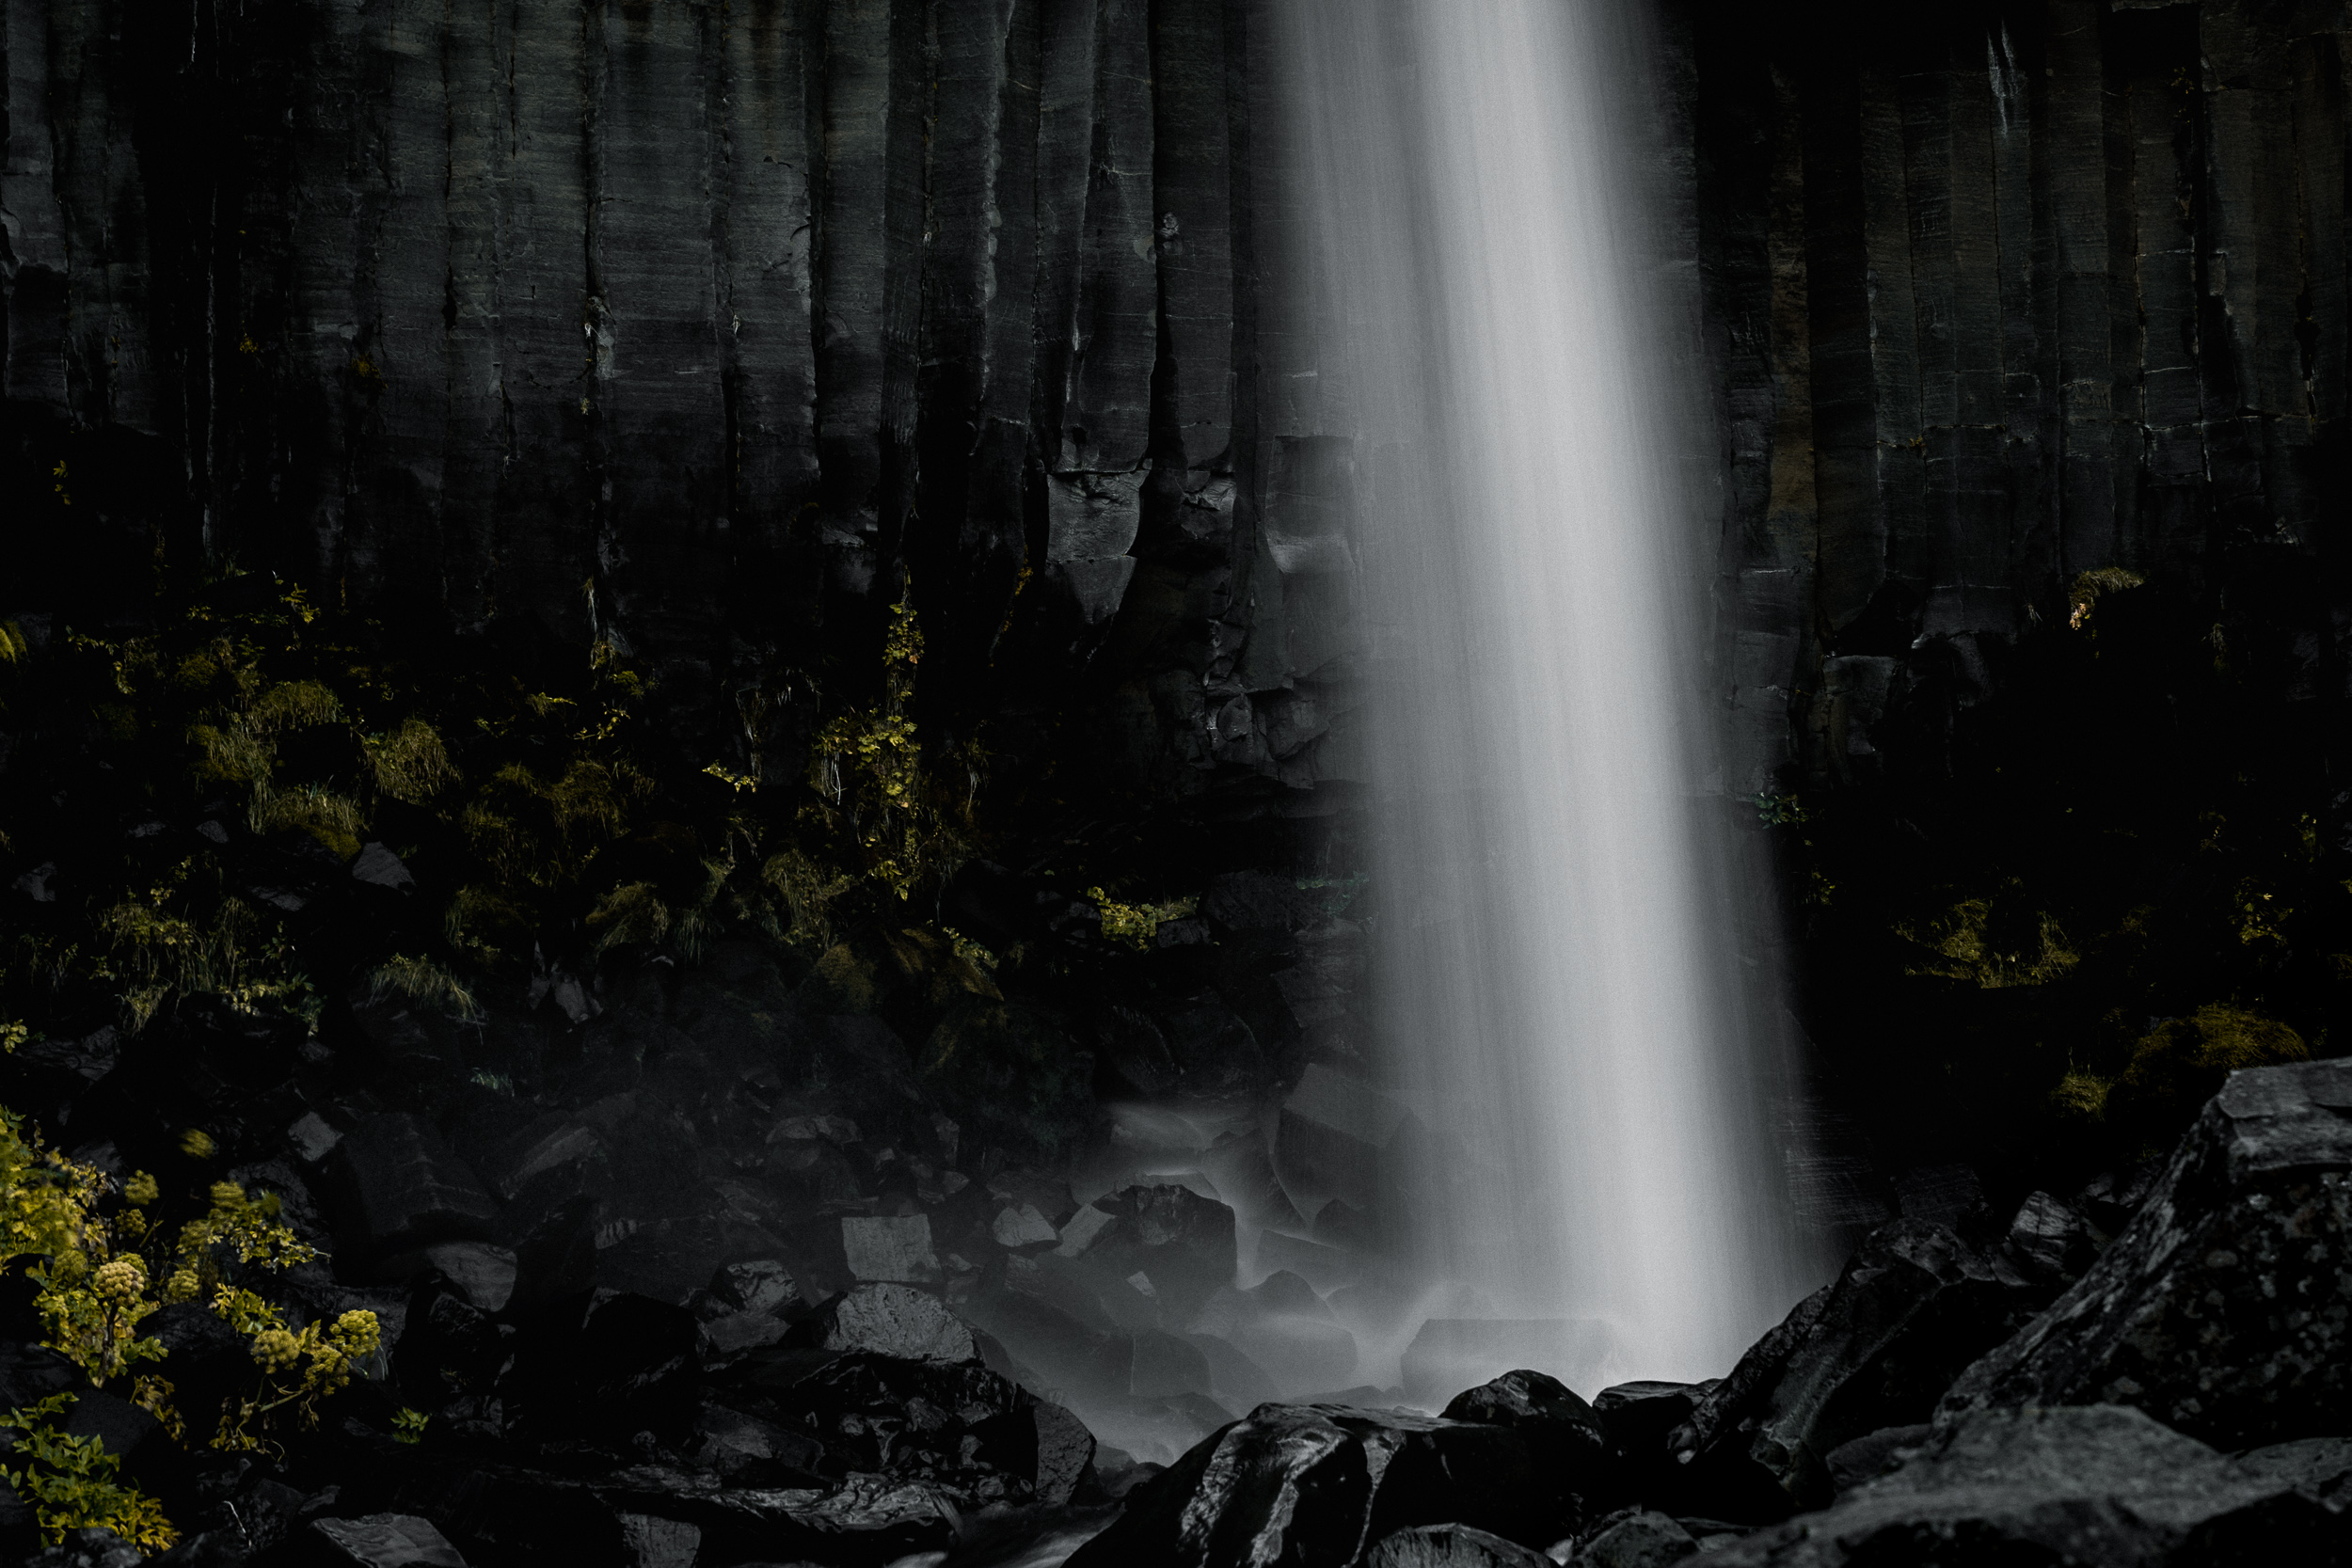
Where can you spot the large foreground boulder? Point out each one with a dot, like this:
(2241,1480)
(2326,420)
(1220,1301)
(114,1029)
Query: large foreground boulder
(1318,1484)
(2102,1484)
(2222,1309)
(1916,1304)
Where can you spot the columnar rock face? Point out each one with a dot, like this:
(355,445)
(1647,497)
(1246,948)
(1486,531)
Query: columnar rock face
(698,323)
(1998,297)
(691,322)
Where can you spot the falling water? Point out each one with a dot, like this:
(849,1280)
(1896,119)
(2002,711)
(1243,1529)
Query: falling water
(1559,988)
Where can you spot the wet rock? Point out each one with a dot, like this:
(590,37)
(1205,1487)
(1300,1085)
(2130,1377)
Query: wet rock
(2054,1238)
(1638,1416)
(1024,1226)
(379,867)
(1451,1547)
(649,1540)
(762,1285)
(92,1547)
(1916,1304)
(2207,1312)
(1090,1359)
(1871,1456)
(481,1271)
(385,1541)
(448,1347)
(396,1186)
(1065,1452)
(1180,1241)
(2091,1484)
(1315,1482)
(2319,1467)
(749,1450)
(886,1248)
(1643,1538)
(961,1428)
(888,1320)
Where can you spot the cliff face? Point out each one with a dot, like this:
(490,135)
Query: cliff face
(703,321)
(1999,296)
(699,320)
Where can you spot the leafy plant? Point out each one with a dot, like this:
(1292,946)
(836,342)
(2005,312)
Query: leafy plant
(74,1483)
(1136,923)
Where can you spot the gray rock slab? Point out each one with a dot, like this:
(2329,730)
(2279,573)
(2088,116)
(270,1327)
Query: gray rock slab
(2103,1485)
(385,1540)
(2221,1309)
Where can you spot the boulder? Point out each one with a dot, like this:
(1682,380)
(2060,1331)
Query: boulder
(2321,1467)
(93,1547)
(888,1320)
(2103,1485)
(398,1187)
(1451,1547)
(891,1248)
(1065,1452)
(762,1285)
(1638,1416)
(1916,1304)
(383,1541)
(1642,1539)
(2219,1309)
(962,1427)
(1575,1462)
(1180,1241)
(1316,1484)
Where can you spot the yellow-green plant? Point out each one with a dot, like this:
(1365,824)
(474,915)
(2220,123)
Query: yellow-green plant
(874,788)
(300,1366)
(74,1483)
(1136,923)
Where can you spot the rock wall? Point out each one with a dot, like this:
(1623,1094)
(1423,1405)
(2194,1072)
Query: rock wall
(696,321)
(2000,295)
(703,321)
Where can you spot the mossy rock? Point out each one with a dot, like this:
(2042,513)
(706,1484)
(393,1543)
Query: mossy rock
(2182,1062)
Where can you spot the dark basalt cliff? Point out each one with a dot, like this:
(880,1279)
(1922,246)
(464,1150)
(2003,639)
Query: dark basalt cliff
(2001,295)
(726,312)
(729,311)
(703,328)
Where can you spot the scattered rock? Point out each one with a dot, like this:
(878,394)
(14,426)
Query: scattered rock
(2321,1467)
(889,1320)
(1916,1304)
(397,1186)
(380,867)
(1180,1241)
(1451,1547)
(1314,1483)
(385,1540)
(1021,1227)
(897,1249)
(1644,1539)
(2218,1310)
(88,1548)
(2103,1485)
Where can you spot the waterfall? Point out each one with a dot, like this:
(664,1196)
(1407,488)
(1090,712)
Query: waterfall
(1560,1006)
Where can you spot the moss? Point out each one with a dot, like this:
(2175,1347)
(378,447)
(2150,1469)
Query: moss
(2180,1063)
